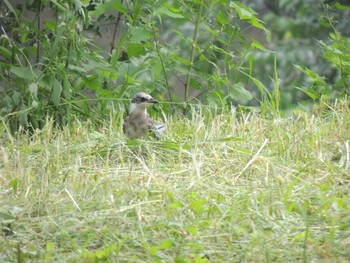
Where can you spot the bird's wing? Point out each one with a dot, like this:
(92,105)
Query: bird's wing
(158,130)
(125,124)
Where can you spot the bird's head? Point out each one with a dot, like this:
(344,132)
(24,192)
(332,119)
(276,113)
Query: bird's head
(141,101)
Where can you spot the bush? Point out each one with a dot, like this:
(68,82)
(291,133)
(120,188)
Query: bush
(184,50)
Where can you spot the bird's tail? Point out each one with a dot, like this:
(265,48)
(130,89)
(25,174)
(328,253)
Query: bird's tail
(159,130)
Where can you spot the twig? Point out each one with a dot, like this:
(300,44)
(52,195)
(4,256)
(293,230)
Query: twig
(71,197)
(193,50)
(162,63)
(254,158)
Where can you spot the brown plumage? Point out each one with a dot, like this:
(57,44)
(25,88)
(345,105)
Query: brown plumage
(138,124)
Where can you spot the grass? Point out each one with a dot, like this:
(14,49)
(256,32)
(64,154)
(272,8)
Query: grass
(218,188)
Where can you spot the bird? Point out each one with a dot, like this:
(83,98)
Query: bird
(139,124)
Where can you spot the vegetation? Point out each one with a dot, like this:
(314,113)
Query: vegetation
(50,66)
(223,188)
(240,174)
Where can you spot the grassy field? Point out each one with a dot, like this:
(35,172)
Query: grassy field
(217,188)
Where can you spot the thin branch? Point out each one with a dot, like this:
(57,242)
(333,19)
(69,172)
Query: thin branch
(116,29)
(38,33)
(254,158)
(162,63)
(193,50)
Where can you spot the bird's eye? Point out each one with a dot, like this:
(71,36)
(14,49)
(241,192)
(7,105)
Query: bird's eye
(143,99)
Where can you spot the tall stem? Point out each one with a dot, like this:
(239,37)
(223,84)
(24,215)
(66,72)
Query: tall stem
(162,63)
(116,29)
(38,33)
(193,50)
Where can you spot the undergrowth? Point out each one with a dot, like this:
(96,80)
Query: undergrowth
(227,187)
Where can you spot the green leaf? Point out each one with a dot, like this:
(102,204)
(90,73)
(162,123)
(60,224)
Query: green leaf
(56,92)
(14,184)
(244,12)
(139,34)
(5,52)
(182,60)
(341,7)
(134,50)
(311,93)
(197,206)
(192,230)
(108,6)
(257,45)
(222,18)
(23,116)
(195,84)
(260,85)
(164,10)
(33,89)
(134,142)
(166,244)
(13,10)
(238,92)
(247,14)
(50,25)
(50,246)
(6,216)
(24,72)
(16,98)
(172,8)
(59,6)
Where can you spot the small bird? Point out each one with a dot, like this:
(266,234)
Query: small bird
(138,124)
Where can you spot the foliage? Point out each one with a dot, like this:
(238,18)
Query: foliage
(51,67)
(217,188)
(301,32)
(336,52)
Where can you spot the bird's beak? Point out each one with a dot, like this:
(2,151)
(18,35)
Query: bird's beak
(153,101)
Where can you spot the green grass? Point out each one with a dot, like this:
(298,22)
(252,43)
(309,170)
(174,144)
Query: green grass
(223,188)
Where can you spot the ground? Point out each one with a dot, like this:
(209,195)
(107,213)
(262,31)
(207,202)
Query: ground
(226,187)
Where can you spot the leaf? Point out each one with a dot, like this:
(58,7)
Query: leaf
(24,72)
(14,184)
(134,50)
(23,116)
(172,8)
(5,52)
(50,25)
(192,230)
(182,60)
(257,45)
(134,142)
(10,7)
(138,35)
(166,244)
(238,92)
(230,139)
(33,89)
(56,92)
(50,246)
(341,7)
(244,12)
(197,205)
(312,94)
(59,6)
(6,216)
(222,18)
(195,84)
(247,14)
(108,6)
(164,10)
(260,85)
(16,98)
